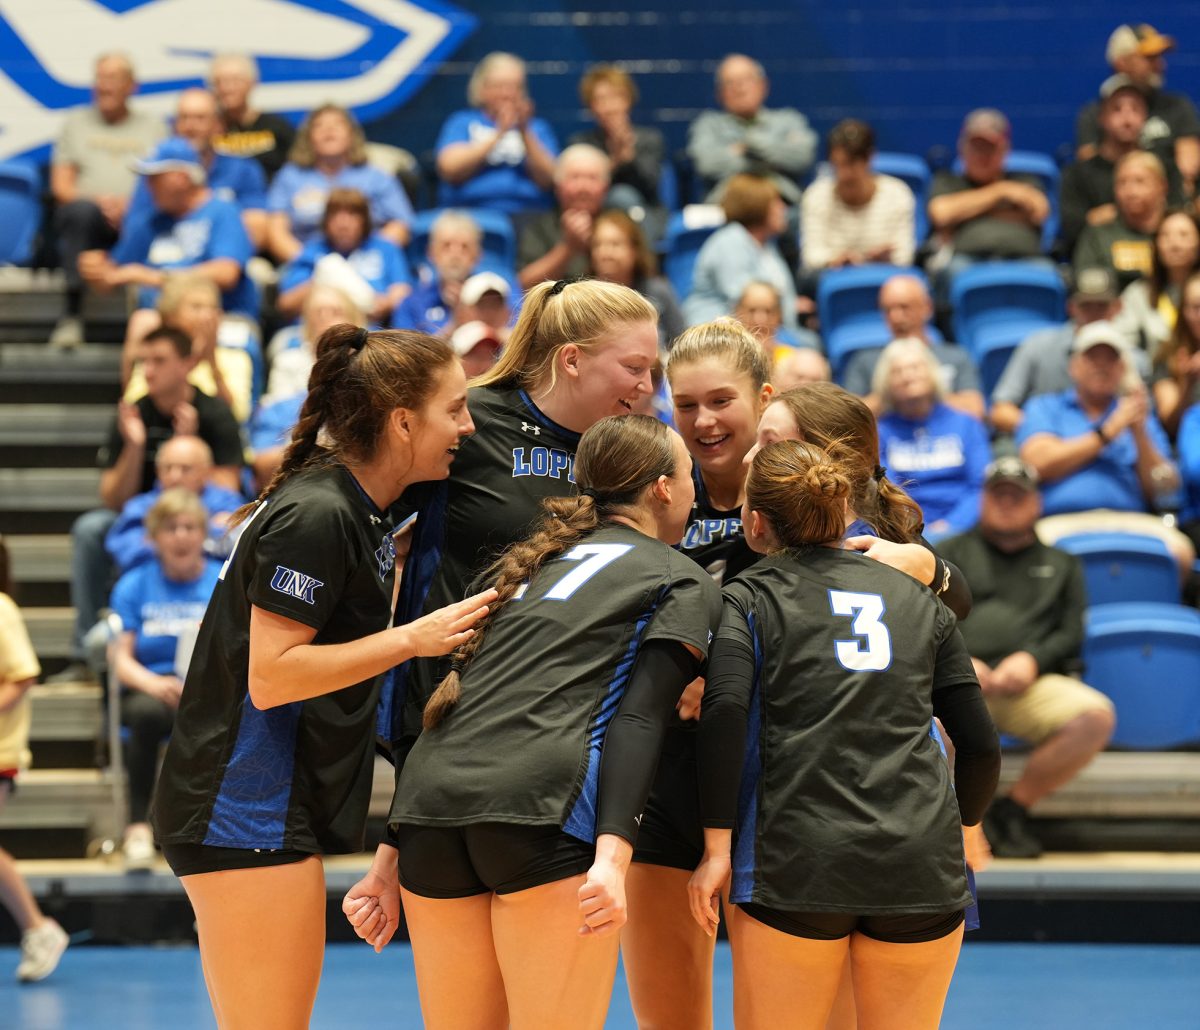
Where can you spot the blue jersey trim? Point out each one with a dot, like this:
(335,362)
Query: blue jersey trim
(746,845)
(252,802)
(543,419)
(581,821)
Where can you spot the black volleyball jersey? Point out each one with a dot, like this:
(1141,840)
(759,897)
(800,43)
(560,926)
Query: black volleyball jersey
(297,776)
(714,538)
(846,803)
(515,458)
(523,744)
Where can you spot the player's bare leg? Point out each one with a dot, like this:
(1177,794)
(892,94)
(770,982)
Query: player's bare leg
(844,1014)
(902,986)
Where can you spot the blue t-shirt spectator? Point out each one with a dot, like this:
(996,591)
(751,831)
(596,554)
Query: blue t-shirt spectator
(158,610)
(127,543)
(503,184)
(940,461)
(237,180)
(273,422)
(1188,442)
(301,194)
(378,260)
(214,230)
(1111,481)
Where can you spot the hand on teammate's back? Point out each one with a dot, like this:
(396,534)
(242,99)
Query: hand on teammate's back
(441,631)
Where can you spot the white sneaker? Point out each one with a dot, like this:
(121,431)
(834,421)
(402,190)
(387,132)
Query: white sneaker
(67,334)
(41,948)
(138,847)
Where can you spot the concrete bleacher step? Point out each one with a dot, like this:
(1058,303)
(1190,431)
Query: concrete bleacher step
(52,435)
(67,800)
(46,500)
(50,631)
(33,373)
(41,567)
(66,711)
(32,300)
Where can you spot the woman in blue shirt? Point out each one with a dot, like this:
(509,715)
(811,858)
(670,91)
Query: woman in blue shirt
(159,603)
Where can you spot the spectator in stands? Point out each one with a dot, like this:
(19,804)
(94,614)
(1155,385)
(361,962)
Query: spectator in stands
(1087,195)
(187,228)
(454,253)
(1098,450)
(799,365)
(855,216)
(43,941)
(330,151)
(743,251)
(619,253)
(496,154)
(1176,378)
(1136,51)
(484,298)
(90,177)
(292,364)
(238,180)
(1188,442)
(192,304)
(247,132)
(936,453)
(1025,634)
(983,212)
(182,463)
(746,137)
(477,345)
(1150,306)
(347,248)
(172,406)
(637,152)
(908,309)
(760,309)
(1039,364)
(1126,244)
(160,603)
(554,244)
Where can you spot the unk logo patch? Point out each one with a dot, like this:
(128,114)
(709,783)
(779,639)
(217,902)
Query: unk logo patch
(296,584)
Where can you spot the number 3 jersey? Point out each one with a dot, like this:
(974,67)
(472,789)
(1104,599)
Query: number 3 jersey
(523,743)
(846,803)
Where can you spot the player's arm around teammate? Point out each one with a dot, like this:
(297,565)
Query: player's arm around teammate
(269,765)
(815,743)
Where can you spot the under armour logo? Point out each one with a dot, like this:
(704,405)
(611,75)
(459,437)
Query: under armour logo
(528,428)
(295,584)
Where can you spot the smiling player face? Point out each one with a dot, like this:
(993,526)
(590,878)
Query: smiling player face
(611,377)
(716,409)
(440,427)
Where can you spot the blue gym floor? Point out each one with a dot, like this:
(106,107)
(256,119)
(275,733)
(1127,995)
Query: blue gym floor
(1009,986)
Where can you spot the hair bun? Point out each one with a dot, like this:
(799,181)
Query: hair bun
(826,480)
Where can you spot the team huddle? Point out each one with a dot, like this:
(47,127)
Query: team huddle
(633,681)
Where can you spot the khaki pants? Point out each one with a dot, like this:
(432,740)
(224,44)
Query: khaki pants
(1046,707)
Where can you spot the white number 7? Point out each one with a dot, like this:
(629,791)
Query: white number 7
(600,555)
(875,653)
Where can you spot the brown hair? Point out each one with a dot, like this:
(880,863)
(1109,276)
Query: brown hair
(1159,277)
(353,201)
(747,199)
(610,74)
(801,490)
(358,380)
(553,316)
(177,501)
(644,263)
(1182,340)
(180,342)
(854,138)
(840,423)
(726,339)
(618,458)
(302,153)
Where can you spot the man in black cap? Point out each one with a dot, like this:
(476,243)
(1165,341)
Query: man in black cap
(1025,633)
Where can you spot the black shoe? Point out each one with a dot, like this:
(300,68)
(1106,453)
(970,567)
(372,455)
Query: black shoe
(75,672)
(1009,830)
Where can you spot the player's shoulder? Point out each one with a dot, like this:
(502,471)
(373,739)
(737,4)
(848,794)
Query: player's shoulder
(509,411)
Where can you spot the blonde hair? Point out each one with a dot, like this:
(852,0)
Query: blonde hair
(302,153)
(905,347)
(173,503)
(1144,158)
(727,340)
(176,286)
(801,491)
(484,68)
(557,314)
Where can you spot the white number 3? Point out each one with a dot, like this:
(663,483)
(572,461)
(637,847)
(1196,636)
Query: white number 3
(874,654)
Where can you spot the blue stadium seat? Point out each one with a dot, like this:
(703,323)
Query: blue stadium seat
(914,172)
(668,186)
(1124,611)
(1123,567)
(499,240)
(1150,668)
(681,244)
(848,307)
(20,211)
(1019,295)
(993,345)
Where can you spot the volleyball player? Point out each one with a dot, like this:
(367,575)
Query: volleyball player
(516,810)
(270,762)
(815,743)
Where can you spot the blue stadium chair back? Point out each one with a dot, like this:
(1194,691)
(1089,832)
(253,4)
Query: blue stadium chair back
(1150,669)
(848,307)
(20,211)
(997,292)
(1121,567)
(499,240)
(993,345)
(681,245)
(668,186)
(914,172)
(1155,611)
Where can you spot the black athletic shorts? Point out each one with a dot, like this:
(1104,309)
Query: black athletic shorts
(910,928)
(189,859)
(462,861)
(670,833)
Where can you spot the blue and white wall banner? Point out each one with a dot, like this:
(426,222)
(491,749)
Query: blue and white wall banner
(368,55)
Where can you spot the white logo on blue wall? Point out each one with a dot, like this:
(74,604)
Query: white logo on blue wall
(295,584)
(367,55)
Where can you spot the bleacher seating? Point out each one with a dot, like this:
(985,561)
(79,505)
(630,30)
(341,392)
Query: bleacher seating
(1045,168)
(1124,567)
(686,232)
(20,211)
(848,307)
(499,241)
(914,172)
